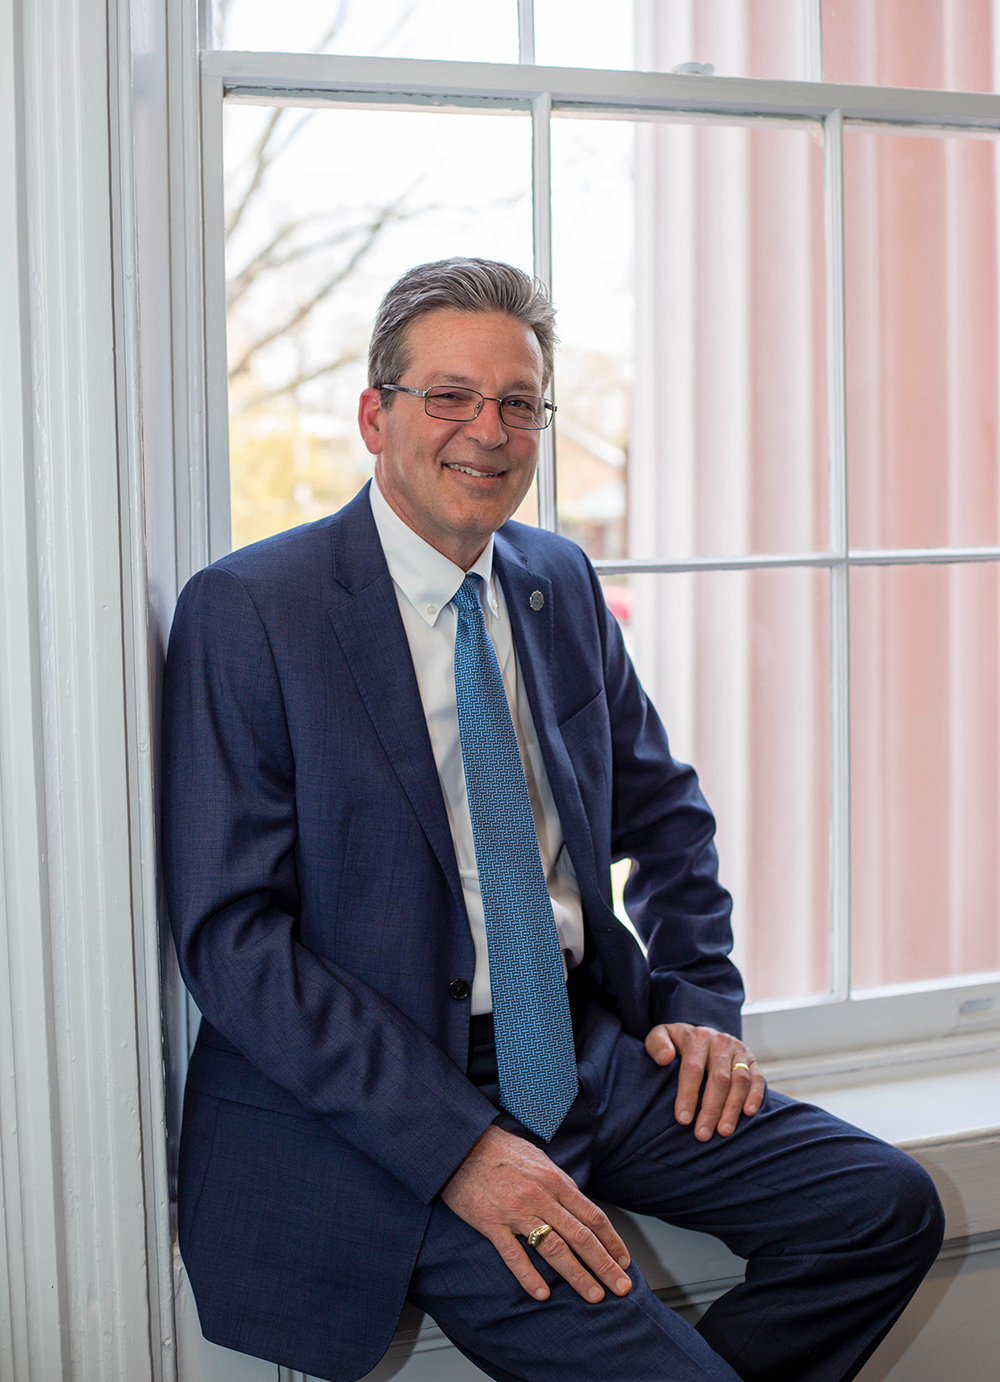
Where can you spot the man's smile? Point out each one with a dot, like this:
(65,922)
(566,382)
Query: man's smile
(471,470)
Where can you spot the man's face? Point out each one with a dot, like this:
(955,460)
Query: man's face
(455,483)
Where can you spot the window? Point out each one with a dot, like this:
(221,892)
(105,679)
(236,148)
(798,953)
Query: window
(778,406)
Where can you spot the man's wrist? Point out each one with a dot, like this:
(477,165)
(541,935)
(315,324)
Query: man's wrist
(469,1149)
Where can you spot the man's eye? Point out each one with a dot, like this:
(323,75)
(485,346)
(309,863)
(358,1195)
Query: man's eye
(453,398)
(525,405)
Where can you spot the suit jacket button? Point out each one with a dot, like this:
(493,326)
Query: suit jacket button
(459,988)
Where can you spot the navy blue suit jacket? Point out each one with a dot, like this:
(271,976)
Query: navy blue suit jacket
(318,914)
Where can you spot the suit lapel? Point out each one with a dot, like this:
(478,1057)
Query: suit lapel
(368,626)
(532,631)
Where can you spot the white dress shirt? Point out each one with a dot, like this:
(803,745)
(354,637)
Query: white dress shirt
(426,582)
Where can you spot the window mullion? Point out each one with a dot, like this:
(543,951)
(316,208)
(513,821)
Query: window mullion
(187,289)
(205,13)
(840,672)
(526,31)
(814,40)
(216,360)
(541,201)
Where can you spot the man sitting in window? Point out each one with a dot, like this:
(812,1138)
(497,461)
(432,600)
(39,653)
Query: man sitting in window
(404,745)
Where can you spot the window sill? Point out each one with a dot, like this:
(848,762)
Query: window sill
(908,1095)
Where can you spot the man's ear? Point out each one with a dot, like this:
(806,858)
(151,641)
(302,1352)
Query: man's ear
(370,412)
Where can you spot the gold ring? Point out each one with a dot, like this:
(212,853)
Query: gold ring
(537,1234)
(740,1065)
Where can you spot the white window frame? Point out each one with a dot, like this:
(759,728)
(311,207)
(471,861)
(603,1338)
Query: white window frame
(952,1016)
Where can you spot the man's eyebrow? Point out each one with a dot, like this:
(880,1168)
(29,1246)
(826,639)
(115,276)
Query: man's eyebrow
(456,379)
(519,386)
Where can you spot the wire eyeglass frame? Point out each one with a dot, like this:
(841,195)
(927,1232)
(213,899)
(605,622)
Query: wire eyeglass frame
(428,396)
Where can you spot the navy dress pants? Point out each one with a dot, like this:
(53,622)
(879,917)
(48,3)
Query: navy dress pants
(838,1230)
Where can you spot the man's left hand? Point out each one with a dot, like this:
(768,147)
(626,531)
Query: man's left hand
(708,1057)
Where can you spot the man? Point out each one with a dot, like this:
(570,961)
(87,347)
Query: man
(403,747)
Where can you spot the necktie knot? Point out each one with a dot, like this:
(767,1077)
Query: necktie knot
(466,597)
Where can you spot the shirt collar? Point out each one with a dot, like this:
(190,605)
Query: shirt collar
(425,576)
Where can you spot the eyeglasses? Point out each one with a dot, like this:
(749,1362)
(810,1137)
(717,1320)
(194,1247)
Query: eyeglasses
(464,405)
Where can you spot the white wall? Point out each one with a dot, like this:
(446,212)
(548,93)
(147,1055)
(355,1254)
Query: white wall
(84,1264)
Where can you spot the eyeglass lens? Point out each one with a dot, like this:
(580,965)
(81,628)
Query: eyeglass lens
(462,405)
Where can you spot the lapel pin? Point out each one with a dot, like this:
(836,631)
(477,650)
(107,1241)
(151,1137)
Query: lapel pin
(536,599)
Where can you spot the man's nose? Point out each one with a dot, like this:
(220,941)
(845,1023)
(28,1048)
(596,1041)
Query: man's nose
(487,426)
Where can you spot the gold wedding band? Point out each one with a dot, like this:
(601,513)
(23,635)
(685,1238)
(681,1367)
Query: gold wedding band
(537,1234)
(740,1065)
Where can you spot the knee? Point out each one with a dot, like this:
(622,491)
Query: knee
(928,1202)
(909,1209)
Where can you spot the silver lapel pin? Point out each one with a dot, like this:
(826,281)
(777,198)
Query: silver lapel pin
(536,599)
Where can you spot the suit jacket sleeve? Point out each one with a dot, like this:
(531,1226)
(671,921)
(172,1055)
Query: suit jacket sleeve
(661,821)
(229,823)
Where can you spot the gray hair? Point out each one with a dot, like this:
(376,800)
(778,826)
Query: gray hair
(464,285)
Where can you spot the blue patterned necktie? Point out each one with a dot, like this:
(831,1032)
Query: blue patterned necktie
(534,1033)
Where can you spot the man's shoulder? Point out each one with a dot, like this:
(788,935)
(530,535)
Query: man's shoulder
(288,554)
(303,563)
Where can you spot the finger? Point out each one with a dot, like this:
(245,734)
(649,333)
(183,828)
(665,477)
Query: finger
(689,1081)
(592,1217)
(558,1254)
(591,1253)
(741,1081)
(718,1087)
(659,1045)
(758,1086)
(570,1248)
(517,1262)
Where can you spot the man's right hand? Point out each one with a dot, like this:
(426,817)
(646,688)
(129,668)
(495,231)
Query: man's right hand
(507,1186)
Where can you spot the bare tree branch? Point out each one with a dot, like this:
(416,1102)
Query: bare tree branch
(261,162)
(296,240)
(266,260)
(331,33)
(262,157)
(263,260)
(304,377)
(304,310)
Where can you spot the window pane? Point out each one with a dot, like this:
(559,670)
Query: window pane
(738,665)
(332,220)
(740,38)
(445,29)
(922,362)
(944,44)
(584,33)
(593,284)
(688,267)
(925,769)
